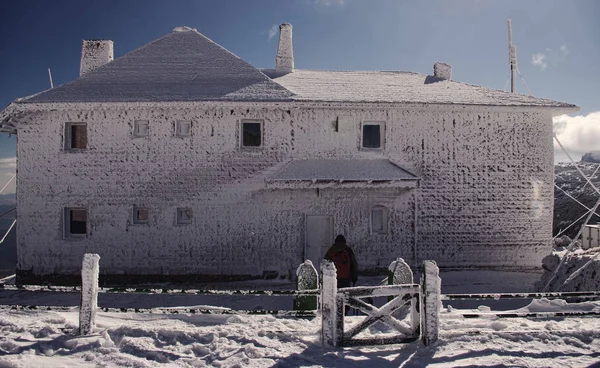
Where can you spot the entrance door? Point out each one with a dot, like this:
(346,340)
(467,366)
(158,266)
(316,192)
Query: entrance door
(319,237)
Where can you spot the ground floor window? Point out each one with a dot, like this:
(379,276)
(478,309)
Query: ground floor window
(140,215)
(379,220)
(75,219)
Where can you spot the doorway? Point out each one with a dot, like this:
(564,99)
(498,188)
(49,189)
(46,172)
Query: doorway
(319,237)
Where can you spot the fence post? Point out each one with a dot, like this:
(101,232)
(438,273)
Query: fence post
(430,303)
(308,279)
(89,293)
(400,273)
(328,304)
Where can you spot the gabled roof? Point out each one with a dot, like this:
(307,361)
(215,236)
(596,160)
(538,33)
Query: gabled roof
(341,172)
(398,87)
(183,65)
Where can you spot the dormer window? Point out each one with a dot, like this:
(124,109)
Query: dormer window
(373,135)
(75,136)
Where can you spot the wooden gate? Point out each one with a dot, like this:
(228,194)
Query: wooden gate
(404,297)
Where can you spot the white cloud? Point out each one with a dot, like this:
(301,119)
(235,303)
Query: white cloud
(538,60)
(565,51)
(273,31)
(578,135)
(329,2)
(8,163)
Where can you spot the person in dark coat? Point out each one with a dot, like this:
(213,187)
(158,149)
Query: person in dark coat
(345,262)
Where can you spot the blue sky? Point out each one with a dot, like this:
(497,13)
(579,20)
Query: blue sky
(558,42)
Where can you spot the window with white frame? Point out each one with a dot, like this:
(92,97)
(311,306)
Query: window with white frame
(140,215)
(140,128)
(379,220)
(183,128)
(184,216)
(373,135)
(75,220)
(75,136)
(251,133)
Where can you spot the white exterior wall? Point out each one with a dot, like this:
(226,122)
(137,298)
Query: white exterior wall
(485,197)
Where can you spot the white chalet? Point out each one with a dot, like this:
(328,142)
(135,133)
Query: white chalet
(179,160)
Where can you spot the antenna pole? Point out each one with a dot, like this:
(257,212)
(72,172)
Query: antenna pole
(512,58)
(50,76)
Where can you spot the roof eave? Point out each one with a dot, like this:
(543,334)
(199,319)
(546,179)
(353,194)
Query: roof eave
(341,184)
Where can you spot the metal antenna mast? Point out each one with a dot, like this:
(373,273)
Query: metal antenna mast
(512,58)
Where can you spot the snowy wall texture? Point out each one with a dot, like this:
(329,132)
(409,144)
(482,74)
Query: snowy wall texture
(485,197)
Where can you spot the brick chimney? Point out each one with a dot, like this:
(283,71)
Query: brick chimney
(284,61)
(442,71)
(95,53)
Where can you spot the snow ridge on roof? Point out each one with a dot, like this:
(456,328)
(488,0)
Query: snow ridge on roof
(183,65)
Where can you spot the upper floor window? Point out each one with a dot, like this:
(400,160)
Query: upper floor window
(75,136)
(373,135)
(75,220)
(184,216)
(379,220)
(183,128)
(140,128)
(140,215)
(251,135)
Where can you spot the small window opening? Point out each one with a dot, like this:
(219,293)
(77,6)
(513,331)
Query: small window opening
(140,128)
(379,220)
(371,136)
(184,128)
(140,215)
(75,222)
(75,136)
(251,134)
(184,216)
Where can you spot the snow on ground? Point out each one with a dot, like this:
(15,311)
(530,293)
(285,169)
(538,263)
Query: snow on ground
(48,339)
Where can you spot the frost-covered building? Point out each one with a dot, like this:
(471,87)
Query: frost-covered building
(181,159)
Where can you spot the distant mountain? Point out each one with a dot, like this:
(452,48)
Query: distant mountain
(566,210)
(8,199)
(593,156)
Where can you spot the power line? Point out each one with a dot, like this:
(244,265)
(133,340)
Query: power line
(7,212)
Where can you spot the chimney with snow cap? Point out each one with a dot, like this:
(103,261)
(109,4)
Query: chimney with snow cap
(95,53)
(284,61)
(442,71)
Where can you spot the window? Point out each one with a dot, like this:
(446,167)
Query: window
(183,128)
(140,215)
(379,220)
(373,135)
(75,136)
(251,133)
(140,128)
(75,222)
(184,216)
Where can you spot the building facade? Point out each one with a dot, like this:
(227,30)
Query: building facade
(217,169)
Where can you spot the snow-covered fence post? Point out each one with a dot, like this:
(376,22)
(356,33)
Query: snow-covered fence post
(328,304)
(89,293)
(430,303)
(308,279)
(400,273)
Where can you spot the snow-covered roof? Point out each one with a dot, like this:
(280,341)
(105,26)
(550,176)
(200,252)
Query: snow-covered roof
(395,86)
(341,171)
(183,65)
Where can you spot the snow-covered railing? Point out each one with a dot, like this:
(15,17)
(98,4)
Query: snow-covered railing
(430,302)
(578,295)
(126,290)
